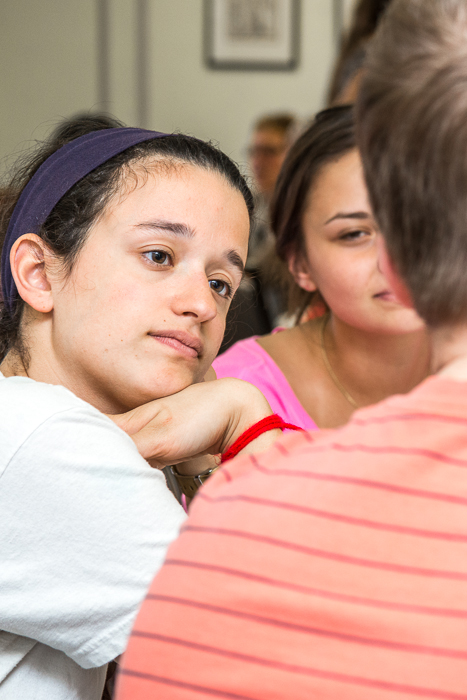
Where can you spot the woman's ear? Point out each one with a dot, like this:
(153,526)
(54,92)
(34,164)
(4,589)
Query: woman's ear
(298,268)
(27,259)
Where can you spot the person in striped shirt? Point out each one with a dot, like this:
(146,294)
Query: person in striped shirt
(334,565)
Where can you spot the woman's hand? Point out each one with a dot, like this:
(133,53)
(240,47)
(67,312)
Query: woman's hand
(204,418)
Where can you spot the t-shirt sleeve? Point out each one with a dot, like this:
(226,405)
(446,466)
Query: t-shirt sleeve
(85,526)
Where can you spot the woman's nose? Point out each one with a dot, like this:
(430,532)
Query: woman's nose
(195,297)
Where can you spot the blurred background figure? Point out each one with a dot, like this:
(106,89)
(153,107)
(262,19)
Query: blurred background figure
(348,68)
(271,138)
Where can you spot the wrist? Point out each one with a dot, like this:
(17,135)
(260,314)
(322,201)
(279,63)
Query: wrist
(247,407)
(189,484)
(197,465)
(258,436)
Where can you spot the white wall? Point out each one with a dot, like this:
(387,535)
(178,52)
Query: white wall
(51,63)
(48,59)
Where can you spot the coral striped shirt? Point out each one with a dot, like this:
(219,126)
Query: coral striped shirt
(332,566)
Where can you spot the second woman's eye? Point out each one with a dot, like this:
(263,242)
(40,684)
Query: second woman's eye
(356,235)
(160,257)
(223,289)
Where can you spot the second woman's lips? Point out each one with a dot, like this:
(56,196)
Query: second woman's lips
(180,340)
(386,295)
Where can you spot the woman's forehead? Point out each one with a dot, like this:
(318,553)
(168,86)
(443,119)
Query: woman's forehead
(136,174)
(189,201)
(157,171)
(336,178)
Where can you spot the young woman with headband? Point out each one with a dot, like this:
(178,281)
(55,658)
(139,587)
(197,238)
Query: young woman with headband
(366,346)
(122,249)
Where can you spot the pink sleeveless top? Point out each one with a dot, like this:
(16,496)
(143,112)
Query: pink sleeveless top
(247,360)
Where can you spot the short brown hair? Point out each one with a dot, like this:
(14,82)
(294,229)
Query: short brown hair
(412,132)
(282,122)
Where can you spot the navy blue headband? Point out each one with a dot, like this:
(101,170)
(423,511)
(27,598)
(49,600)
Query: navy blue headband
(54,178)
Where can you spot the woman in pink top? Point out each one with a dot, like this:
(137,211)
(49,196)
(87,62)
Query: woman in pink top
(366,346)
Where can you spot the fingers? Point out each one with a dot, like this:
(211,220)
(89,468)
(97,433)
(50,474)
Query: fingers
(152,444)
(156,412)
(155,464)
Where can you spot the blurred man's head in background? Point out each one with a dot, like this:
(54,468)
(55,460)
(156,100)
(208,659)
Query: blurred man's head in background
(270,139)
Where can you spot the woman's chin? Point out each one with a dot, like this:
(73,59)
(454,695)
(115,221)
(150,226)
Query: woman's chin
(152,393)
(408,321)
(161,383)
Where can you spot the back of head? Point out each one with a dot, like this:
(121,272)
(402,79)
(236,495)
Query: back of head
(412,131)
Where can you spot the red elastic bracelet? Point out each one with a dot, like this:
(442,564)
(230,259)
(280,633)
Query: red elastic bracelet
(262,426)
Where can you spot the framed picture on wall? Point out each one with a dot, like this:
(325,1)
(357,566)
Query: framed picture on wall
(251,34)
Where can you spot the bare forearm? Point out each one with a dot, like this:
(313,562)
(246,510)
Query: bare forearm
(202,419)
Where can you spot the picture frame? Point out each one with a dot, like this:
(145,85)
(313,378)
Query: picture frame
(252,34)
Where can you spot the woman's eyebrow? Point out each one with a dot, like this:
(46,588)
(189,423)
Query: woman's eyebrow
(170,226)
(234,259)
(183,230)
(349,215)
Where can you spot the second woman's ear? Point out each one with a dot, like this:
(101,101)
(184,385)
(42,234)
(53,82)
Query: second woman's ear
(299,269)
(28,266)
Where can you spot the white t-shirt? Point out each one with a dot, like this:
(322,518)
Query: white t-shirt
(84,525)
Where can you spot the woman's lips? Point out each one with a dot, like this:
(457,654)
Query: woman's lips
(386,295)
(181,341)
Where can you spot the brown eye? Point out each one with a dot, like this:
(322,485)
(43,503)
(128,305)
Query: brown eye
(354,235)
(223,289)
(160,257)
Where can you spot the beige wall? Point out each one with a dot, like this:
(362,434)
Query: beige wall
(48,58)
(50,68)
